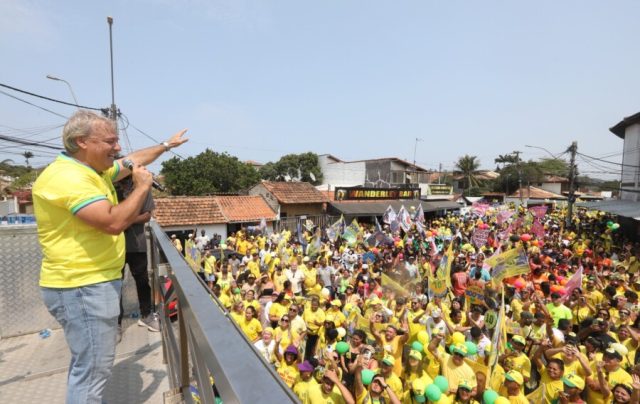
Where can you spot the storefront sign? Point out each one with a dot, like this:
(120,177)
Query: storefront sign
(358,193)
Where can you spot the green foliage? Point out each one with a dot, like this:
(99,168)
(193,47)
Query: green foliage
(467,166)
(531,172)
(207,173)
(557,167)
(303,167)
(12,170)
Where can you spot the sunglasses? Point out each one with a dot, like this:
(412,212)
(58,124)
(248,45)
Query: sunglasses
(284,319)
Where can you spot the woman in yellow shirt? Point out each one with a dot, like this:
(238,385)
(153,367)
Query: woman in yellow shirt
(250,324)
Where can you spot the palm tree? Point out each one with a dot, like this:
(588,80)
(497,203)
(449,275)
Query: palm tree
(467,166)
(505,159)
(27,155)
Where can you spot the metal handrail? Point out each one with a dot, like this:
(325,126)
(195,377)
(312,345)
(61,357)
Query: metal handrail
(208,341)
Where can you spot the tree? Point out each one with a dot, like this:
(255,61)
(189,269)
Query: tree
(557,167)
(510,176)
(27,155)
(506,159)
(207,173)
(467,166)
(297,167)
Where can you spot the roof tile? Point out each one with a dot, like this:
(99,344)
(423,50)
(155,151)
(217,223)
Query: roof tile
(295,192)
(188,210)
(245,208)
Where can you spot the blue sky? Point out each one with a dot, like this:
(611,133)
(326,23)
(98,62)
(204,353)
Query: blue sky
(260,79)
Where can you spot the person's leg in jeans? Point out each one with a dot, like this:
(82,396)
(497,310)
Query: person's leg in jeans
(89,317)
(138,266)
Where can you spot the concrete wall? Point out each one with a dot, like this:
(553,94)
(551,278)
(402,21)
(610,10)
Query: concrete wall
(301,209)
(271,200)
(555,187)
(340,174)
(631,156)
(209,229)
(9,206)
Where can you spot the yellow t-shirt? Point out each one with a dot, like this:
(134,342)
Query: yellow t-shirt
(317,396)
(254,268)
(209,264)
(288,373)
(455,373)
(312,317)
(301,388)
(616,377)
(252,329)
(74,253)
(551,387)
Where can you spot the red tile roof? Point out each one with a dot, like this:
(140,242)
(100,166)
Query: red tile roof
(197,210)
(245,208)
(188,210)
(295,192)
(536,193)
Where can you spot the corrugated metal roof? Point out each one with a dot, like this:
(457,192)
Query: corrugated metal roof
(621,208)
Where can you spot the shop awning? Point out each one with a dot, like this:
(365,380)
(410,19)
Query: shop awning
(621,208)
(378,208)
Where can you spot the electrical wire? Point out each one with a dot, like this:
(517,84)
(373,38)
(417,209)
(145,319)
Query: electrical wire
(48,98)
(607,161)
(33,105)
(29,143)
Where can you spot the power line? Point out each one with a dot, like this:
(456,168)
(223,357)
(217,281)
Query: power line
(47,98)
(28,143)
(34,105)
(610,162)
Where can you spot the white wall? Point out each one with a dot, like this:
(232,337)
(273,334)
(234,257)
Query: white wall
(631,156)
(554,187)
(338,174)
(209,229)
(9,206)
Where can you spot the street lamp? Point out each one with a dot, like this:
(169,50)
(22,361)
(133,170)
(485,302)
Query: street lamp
(542,148)
(50,77)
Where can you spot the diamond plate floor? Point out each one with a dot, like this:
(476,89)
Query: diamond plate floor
(33,369)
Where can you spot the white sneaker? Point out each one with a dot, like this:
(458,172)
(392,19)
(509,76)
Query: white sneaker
(152,322)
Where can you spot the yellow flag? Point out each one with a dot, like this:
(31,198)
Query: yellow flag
(537,395)
(389,283)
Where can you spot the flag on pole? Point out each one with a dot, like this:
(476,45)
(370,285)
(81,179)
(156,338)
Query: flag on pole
(301,239)
(405,219)
(389,215)
(573,283)
(419,216)
(378,227)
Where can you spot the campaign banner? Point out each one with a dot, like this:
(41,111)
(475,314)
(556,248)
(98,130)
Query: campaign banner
(480,237)
(474,294)
(438,287)
(510,266)
(539,211)
(572,284)
(479,209)
(537,228)
(504,216)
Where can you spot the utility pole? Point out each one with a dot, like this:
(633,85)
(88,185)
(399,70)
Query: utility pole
(439,173)
(415,169)
(517,153)
(572,183)
(114,110)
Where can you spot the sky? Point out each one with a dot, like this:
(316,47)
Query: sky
(356,79)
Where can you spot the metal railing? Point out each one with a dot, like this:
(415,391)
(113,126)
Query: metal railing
(200,340)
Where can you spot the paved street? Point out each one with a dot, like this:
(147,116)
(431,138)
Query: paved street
(33,369)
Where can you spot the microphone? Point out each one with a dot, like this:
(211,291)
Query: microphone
(129,164)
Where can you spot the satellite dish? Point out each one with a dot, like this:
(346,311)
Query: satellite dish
(313,177)
(287,177)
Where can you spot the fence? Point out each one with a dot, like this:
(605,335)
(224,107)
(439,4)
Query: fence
(200,340)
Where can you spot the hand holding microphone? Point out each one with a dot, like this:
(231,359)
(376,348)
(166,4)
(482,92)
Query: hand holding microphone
(141,175)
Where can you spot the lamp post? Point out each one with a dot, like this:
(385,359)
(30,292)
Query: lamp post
(50,77)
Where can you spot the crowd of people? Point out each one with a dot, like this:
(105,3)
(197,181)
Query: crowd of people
(503,304)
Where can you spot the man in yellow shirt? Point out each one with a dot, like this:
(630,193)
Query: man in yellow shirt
(80,232)
(453,366)
(513,382)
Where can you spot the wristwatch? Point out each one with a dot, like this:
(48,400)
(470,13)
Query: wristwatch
(166,146)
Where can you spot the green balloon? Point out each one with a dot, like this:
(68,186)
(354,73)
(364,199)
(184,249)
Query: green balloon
(417,346)
(489,396)
(609,223)
(342,347)
(472,349)
(367,376)
(218,400)
(442,383)
(433,393)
